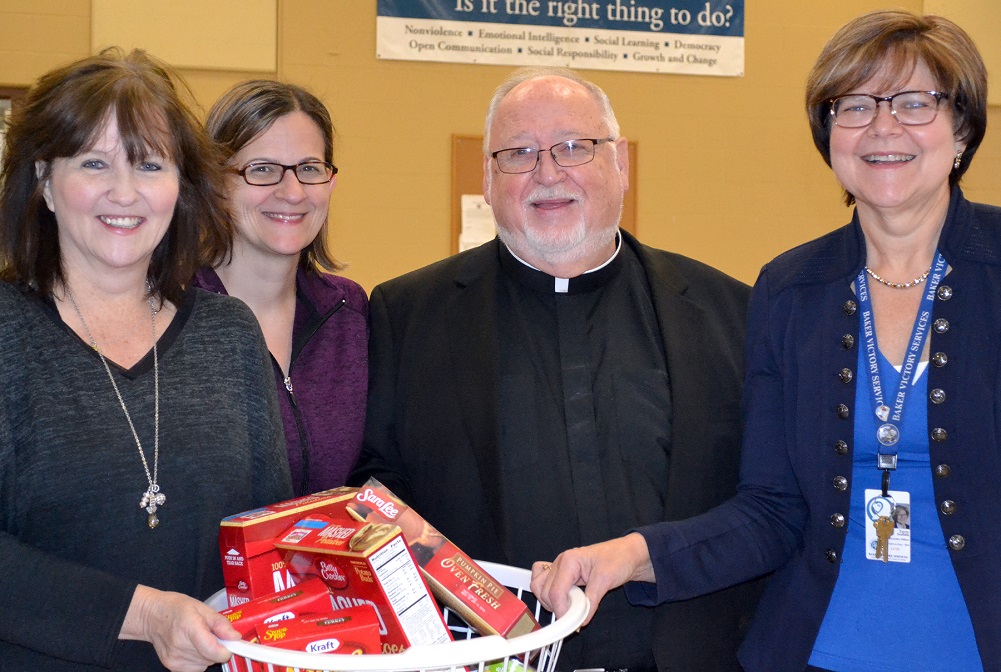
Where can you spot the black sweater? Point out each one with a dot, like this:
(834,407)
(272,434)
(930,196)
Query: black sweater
(74,542)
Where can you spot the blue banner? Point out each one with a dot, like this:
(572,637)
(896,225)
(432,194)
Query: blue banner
(690,17)
(683,36)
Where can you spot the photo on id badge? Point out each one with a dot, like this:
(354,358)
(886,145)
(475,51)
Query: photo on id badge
(888,532)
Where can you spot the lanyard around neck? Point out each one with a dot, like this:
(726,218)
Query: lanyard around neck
(891,417)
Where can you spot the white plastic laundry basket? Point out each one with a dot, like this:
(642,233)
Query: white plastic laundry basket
(468,652)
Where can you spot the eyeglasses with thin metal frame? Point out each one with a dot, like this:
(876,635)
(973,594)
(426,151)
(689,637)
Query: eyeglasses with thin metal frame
(910,108)
(567,154)
(266,174)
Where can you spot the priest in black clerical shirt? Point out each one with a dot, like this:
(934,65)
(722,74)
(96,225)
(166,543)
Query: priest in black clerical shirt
(564,383)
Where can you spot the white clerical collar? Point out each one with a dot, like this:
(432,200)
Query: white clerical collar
(562,285)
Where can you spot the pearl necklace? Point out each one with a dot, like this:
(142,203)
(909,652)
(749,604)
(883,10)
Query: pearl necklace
(899,285)
(152,498)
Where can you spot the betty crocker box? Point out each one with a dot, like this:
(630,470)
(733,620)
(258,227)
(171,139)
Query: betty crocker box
(457,581)
(251,566)
(365,563)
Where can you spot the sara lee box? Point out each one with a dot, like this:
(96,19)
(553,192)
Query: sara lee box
(457,581)
(251,566)
(309,597)
(365,563)
(349,631)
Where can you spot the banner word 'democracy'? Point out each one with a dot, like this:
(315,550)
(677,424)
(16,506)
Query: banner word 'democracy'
(691,37)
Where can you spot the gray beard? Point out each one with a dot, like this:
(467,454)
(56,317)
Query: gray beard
(569,249)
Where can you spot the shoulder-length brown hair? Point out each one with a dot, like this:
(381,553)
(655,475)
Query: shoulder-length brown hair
(63,115)
(249,109)
(895,41)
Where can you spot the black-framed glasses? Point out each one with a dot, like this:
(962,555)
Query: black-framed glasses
(910,108)
(567,154)
(264,174)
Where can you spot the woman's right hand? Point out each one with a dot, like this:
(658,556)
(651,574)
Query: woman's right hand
(599,568)
(181,629)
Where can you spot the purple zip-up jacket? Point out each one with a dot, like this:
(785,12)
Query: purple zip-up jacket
(324,413)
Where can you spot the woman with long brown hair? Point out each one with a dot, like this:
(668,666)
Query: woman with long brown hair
(135,411)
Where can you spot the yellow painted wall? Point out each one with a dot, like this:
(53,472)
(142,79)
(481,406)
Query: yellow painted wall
(727,171)
(982,20)
(38,35)
(191,33)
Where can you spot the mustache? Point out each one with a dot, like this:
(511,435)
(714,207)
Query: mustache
(556,192)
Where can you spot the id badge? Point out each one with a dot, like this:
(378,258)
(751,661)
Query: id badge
(896,506)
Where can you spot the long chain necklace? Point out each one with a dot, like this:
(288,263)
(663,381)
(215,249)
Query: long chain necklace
(899,285)
(152,498)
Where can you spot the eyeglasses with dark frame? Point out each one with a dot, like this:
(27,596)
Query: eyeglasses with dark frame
(266,174)
(567,154)
(910,108)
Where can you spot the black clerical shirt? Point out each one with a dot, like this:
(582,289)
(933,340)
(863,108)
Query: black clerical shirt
(584,414)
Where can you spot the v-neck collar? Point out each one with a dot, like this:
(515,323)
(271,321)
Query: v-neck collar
(144,365)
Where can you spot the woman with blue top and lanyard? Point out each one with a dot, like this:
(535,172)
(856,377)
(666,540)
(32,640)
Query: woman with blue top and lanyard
(873,385)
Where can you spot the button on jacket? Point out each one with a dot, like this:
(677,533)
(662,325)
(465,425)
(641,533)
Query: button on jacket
(798,442)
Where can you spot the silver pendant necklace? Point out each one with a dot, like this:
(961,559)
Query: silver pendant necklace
(152,498)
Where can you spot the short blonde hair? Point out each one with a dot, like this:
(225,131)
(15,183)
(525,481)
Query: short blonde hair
(898,40)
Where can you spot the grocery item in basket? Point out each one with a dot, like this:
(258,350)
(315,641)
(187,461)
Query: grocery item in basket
(309,597)
(455,579)
(251,567)
(509,665)
(349,631)
(369,563)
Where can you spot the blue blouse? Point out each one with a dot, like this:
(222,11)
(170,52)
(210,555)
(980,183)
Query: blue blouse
(911,614)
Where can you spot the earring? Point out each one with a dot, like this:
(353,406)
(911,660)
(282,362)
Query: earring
(959,160)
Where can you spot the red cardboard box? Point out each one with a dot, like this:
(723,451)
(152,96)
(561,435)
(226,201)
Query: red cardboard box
(365,563)
(455,579)
(349,631)
(309,597)
(251,567)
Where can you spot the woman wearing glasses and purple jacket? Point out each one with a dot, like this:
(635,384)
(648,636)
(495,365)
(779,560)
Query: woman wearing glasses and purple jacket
(278,140)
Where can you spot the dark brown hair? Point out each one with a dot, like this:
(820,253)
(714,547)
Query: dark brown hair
(895,41)
(249,109)
(64,114)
